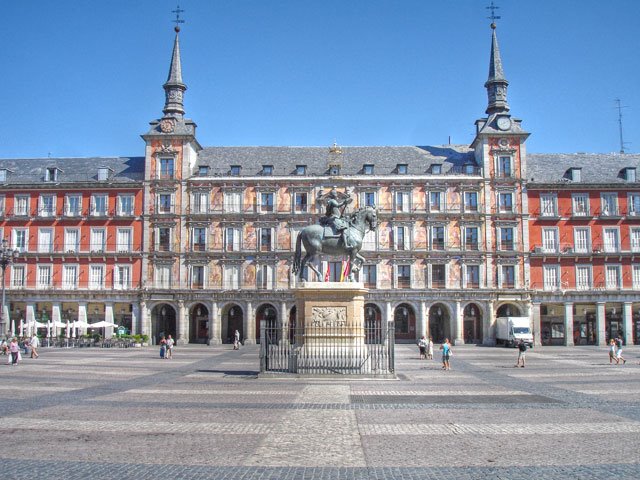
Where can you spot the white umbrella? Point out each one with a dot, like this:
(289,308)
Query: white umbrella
(73,330)
(67,332)
(21,329)
(102,324)
(48,329)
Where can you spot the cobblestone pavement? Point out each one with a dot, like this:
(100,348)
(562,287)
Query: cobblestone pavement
(120,414)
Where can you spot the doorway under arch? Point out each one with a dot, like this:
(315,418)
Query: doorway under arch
(472,324)
(439,323)
(199,324)
(233,319)
(163,322)
(373,323)
(404,317)
(508,310)
(269,314)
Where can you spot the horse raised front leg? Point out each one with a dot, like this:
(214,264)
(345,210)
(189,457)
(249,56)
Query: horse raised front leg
(306,261)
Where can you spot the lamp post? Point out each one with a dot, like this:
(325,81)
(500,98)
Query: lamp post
(7,255)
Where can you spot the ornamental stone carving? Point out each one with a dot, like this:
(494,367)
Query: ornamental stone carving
(329,316)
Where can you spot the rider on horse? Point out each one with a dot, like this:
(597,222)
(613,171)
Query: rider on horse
(334,216)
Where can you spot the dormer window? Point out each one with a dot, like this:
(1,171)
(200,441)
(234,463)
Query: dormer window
(402,169)
(469,169)
(334,170)
(367,169)
(3,175)
(576,174)
(436,169)
(630,174)
(103,174)
(51,174)
(235,170)
(203,170)
(267,169)
(301,169)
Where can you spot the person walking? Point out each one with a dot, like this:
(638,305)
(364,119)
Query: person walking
(446,354)
(619,350)
(170,344)
(34,343)
(422,346)
(163,347)
(14,349)
(236,340)
(430,349)
(522,350)
(612,352)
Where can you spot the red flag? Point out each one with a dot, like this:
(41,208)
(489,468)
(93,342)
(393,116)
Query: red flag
(345,270)
(326,275)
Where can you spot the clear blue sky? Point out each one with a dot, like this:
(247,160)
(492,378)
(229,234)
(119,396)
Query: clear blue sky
(84,78)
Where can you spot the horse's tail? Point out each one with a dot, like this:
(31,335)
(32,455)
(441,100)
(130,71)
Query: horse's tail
(297,258)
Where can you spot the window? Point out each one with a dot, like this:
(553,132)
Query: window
(613,277)
(505,202)
(166,169)
(3,175)
(580,204)
(576,174)
(548,205)
(367,169)
(301,204)
(73,205)
(197,276)
(165,203)
(266,202)
(581,239)
(507,276)
(470,201)
(506,238)
(267,169)
(232,202)
(98,238)
(45,240)
(369,199)
(71,240)
(402,169)
(163,276)
(51,174)
(70,277)
(435,201)
(400,238)
(199,239)
(551,277)
(163,240)
(630,174)
(437,238)
(504,167)
(203,170)
(123,240)
(96,277)
(18,276)
(609,204)
(266,244)
(550,240)
(472,276)
(635,239)
(199,202)
(369,275)
(583,277)
(103,174)
(235,170)
(401,200)
(335,271)
(471,238)
(44,276)
(21,205)
(2,204)
(633,204)
(636,277)
(20,240)
(264,277)
(403,276)
(122,277)
(301,169)
(99,204)
(369,241)
(334,170)
(611,240)
(438,276)
(232,239)
(231,277)
(125,205)
(47,206)
(436,169)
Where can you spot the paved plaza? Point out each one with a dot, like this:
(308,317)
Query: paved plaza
(124,413)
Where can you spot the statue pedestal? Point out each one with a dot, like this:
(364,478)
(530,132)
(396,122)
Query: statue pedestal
(330,336)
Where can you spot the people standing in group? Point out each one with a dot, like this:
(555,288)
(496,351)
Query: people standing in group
(14,349)
(619,350)
(446,354)
(236,340)
(612,352)
(170,344)
(430,349)
(4,347)
(422,346)
(522,350)
(34,343)
(163,347)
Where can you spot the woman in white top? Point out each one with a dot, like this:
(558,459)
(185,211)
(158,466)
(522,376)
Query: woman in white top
(34,343)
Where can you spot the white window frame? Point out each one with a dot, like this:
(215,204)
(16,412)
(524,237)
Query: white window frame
(550,240)
(401,231)
(236,240)
(157,239)
(396,283)
(94,205)
(635,277)
(70,276)
(633,204)
(131,199)
(467,204)
(21,207)
(548,205)
(375,270)
(465,272)
(18,275)
(430,275)
(464,237)
(16,234)
(162,161)
(580,285)
(265,276)
(577,247)
(295,209)
(607,208)
(96,244)
(124,245)
(259,198)
(47,211)
(501,280)
(499,241)
(431,236)
(162,209)
(45,240)
(370,241)
(609,269)
(67,205)
(194,237)
(580,204)
(199,202)
(503,207)
(634,239)
(232,202)
(436,201)
(162,276)
(499,166)
(608,233)
(44,276)
(272,239)
(401,201)
(363,198)
(96,277)
(192,277)
(231,277)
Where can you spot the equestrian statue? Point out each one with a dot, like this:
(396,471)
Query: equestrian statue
(337,234)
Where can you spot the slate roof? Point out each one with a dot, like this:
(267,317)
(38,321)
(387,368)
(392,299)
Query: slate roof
(317,159)
(73,170)
(596,168)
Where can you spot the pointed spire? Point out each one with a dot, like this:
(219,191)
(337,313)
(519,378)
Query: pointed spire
(174,88)
(496,84)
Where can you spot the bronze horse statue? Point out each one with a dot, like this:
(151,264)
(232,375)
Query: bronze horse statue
(315,242)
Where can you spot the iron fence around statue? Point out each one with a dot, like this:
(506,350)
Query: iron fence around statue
(328,350)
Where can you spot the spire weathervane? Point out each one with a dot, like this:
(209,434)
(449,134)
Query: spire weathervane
(178,20)
(493,16)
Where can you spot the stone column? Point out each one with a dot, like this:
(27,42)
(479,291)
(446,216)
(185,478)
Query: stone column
(55,317)
(568,324)
(535,321)
(601,338)
(627,318)
(182,327)
(422,320)
(215,327)
(135,318)
(82,317)
(457,314)
(249,326)
(427,309)
(108,317)
(145,321)
(389,312)
(284,322)
(490,325)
